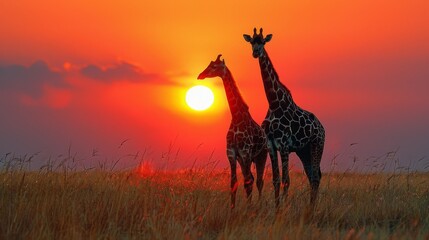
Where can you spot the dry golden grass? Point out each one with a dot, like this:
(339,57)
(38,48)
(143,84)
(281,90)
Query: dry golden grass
(195,205)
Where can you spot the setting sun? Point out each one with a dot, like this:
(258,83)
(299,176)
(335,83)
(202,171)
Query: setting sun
(199,97)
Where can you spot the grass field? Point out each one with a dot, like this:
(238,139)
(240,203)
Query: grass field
(104,204)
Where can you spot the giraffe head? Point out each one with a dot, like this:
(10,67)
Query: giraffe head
(258,42)
(216,68)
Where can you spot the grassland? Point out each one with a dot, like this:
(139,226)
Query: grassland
(194,204)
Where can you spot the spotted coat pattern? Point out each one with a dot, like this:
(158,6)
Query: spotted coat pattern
(288,127)
(246,140)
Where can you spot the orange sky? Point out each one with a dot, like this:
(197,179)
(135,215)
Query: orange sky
(92,74)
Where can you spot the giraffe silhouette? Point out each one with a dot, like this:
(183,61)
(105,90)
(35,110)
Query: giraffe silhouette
(289,128)
(245,141)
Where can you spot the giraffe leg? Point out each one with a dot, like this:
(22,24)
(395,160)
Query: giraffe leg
(260,167)
(311,162)
(285,172)
(316,153)
(234,185)
(276,177)
(248,180)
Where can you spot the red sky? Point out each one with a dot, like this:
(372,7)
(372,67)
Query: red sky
(90,75)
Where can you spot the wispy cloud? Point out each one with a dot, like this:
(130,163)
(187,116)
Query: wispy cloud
(42,85)
(122,71)
(30,80)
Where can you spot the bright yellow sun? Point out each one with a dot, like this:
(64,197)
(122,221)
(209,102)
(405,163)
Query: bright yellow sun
(199,97)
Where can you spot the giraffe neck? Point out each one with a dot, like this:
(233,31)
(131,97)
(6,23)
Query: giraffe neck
(237,106)
(275,91)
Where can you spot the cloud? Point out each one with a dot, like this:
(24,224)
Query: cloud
(119,72)
(41,85)
(30,80)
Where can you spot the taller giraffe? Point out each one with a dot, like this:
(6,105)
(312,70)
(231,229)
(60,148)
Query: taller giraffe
(246,140)
(289,128)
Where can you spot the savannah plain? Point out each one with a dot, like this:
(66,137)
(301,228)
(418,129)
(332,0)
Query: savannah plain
(60,202)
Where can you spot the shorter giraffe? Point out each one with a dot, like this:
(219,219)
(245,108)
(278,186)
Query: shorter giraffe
(246,141)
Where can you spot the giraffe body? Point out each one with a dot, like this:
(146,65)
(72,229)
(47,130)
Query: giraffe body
(246,140)
(288,127)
